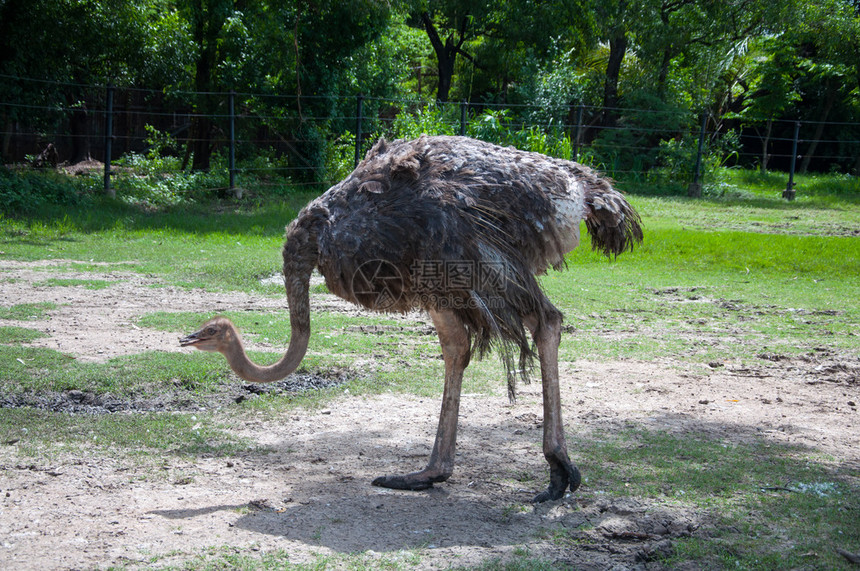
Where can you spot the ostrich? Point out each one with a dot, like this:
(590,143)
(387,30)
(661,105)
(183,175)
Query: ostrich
(458,228)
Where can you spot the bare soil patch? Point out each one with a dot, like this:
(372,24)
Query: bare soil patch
(307,490)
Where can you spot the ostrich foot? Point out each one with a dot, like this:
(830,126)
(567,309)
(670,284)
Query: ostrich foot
(413,481)
(562,473)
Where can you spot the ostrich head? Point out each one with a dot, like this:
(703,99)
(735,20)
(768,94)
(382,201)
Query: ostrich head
(220,335)
(217,334)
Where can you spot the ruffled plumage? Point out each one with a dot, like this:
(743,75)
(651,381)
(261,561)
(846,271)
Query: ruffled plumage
(456,223)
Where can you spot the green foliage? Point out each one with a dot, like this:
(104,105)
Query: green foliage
(157,182)
(554,91)
(494,126)
(772,72)
(340,157)
(296,70)
(635,146)
(159,143)
(677,157)
(427,119)
(149,181)
(27,192)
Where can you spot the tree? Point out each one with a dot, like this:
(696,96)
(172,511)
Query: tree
(830,44)
(67,45)
(206,20)
(618,40)
(614,19)
(459,21)
(270,47)
(525,41)
(770,88)
(807,72)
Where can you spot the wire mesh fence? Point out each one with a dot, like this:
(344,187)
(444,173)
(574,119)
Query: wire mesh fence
(312,141)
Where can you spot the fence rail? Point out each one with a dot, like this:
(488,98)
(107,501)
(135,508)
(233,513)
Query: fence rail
(311,139)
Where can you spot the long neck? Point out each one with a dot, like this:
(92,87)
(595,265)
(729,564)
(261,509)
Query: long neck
(300,257)
(299,336)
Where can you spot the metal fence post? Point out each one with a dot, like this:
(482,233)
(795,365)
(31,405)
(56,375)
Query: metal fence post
(464,105)
(789,191)
(695,188)
(109,190)
(359,112)
(231,102)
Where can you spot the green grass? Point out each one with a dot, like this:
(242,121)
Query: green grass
(197,246)
(29,369)
(27,311)
(520,562)
(750,201)
(706,268)
(41,433)
(72,282)
(11,335)
(726,278)
(773,504)
(690,293)
(227,557)
(750,189)
(338,344)
(815,190)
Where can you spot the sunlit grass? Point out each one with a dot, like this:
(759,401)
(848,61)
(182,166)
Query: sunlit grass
(37,432)
(194,247)
(758,494)
(11,335)
(27,311)
(728,277)
(74,282)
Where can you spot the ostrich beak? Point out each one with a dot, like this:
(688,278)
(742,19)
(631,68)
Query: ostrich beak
(207,338)
(190,340)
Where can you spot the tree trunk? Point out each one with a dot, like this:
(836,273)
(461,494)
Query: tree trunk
(201,124)
(7,140)
(765,156)
(663,77)
(617,50)
(446,54)
(829,101)
(446,73)
(79,131)
(201,147)
(206,31)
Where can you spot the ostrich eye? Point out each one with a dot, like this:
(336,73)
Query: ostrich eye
(211,331)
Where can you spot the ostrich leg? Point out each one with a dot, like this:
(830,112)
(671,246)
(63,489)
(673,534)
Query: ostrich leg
(455,349)
(561,471)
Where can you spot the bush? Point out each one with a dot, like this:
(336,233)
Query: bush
(339,157)
(26,192)
(428,119)
(635,147)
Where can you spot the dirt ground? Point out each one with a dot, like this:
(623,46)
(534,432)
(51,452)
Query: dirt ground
(310,494)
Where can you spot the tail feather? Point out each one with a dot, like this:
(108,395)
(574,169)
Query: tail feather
(613,224)
(507,333)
